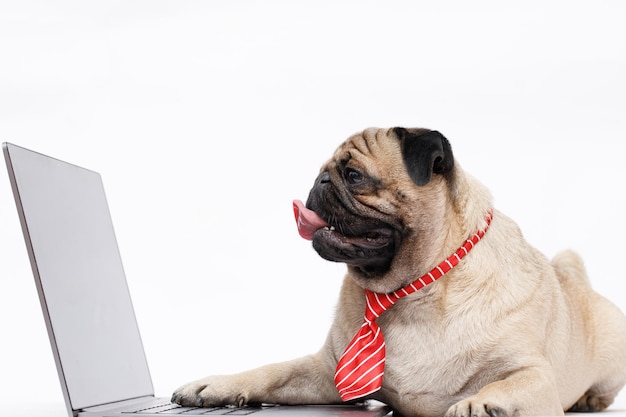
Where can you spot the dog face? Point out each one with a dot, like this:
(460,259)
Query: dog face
(381,201)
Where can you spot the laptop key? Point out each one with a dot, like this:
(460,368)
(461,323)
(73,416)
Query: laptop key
(244,411)
(183,410)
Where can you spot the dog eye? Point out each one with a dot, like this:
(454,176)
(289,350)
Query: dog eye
(353,176)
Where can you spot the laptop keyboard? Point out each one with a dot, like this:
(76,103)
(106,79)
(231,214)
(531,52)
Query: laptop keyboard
(175,409)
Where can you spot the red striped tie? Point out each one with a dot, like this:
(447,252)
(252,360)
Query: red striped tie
(361,367)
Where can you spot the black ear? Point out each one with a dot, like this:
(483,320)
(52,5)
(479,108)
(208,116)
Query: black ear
(425,152)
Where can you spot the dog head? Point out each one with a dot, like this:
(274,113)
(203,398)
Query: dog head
(382,205)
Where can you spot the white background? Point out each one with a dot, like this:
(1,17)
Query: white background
(206,119)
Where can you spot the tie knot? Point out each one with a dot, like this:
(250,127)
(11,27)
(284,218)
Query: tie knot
(377,303)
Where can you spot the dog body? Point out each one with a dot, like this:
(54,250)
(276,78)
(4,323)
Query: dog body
(505,332)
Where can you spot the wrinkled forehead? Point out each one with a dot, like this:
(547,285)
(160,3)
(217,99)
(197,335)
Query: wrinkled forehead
(372,142)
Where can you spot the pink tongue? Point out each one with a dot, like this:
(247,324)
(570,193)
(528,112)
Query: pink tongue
(308,221)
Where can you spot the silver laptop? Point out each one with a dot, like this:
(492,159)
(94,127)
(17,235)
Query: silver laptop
(85,298)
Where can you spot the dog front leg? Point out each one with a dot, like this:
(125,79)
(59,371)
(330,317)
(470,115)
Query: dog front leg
(527,392)
(307,380)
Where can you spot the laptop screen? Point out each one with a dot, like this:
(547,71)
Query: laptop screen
(80,279)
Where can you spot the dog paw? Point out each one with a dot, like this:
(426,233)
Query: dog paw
(210,392)
(472,408)
(590,403)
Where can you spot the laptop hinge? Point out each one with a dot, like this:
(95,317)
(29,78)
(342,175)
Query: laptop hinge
(118,405)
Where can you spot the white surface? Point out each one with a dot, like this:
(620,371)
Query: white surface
(206,119)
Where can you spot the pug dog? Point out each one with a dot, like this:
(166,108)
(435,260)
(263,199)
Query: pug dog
(503,331)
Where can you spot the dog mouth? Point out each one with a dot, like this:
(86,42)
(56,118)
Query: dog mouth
(372,239)
(363,246)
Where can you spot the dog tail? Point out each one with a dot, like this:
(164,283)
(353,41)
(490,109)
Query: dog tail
(569,266)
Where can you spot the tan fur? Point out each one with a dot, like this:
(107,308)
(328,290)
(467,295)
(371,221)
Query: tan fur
(506,332)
